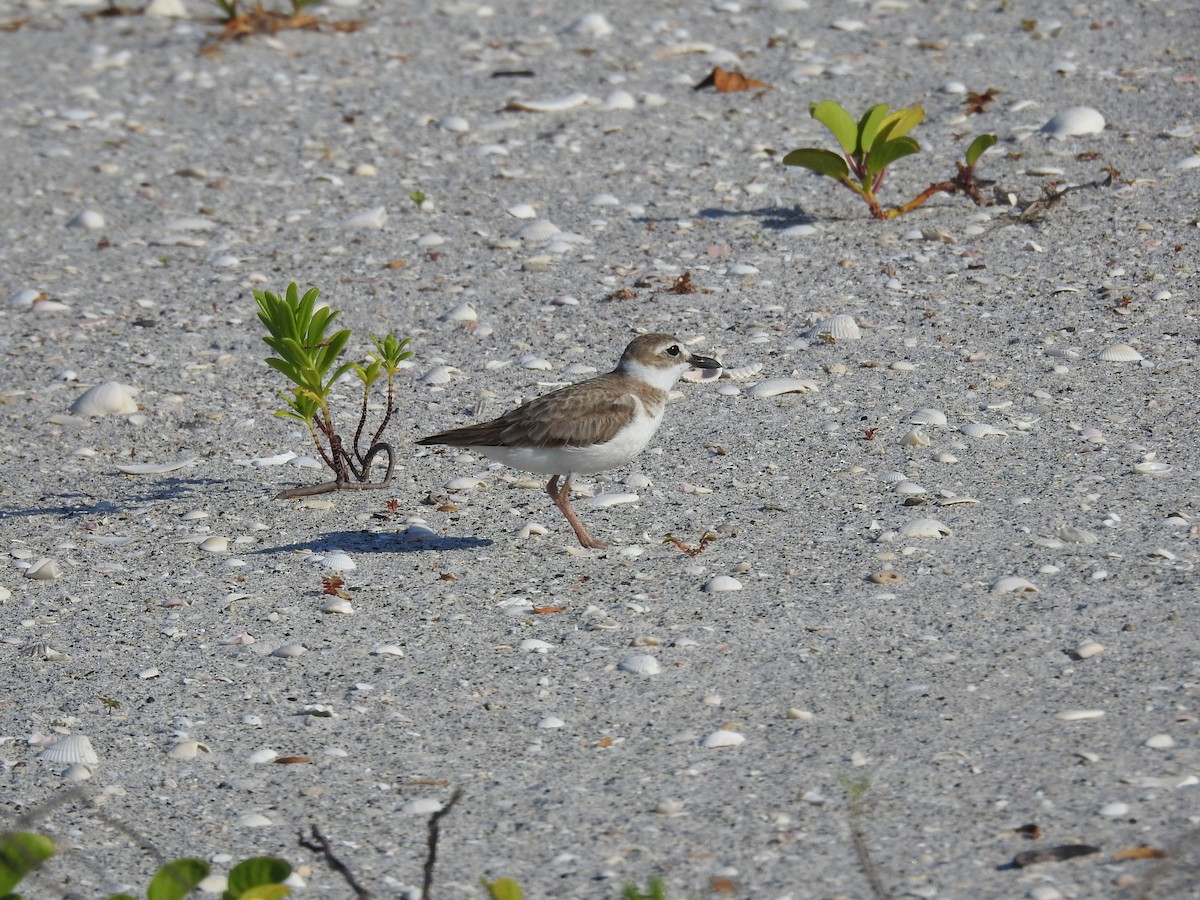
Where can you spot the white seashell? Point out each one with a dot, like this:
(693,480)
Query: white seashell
(551,722)
(156,468)
(88,218)
(535,363)
(538,230)
(109,399)
(741,269)
(73,748)
(338,561)
(253,820)
(439,375)
(955,501)
(618,100)
(953,87)
(1073,535)
(591,24)
(980,430)
(847,24)
(522,211)
(44,570)
(1088,649)
(1188,162)
(1150,467)
(454,124)
(927,416)
(339,605)
(466,483)
(720,583)
(185,750)
(908,488)
(697,375)
(1119,353)
(1013,584)
(1160,742)
(739,373)
(165,9)
(430,240)
(387,650)
(215,544)
(603,501)
(464,312)
(773,387)
(924,528)
(289,651)
(532,529)
(421,806)
(723,737)
(1114,810)
(258,757)
(26,298)
(839,328)
(224,262)
(371,218)
(78,772)
(553,104)
(915,437)
(534,645)
(417,533)
(1079,715)
(1074,122)
(640,664)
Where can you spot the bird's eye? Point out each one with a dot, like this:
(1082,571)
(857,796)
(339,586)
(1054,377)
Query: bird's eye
(673,350)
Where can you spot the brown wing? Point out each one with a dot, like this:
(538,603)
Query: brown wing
(557,419)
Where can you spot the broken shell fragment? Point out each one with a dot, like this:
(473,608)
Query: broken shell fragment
(1074,122)
(981,430)
(44,570)
(289,651)
(927,416)
(723,737)
(773,387)
(71,749)
(719,583)
(1013,584)
(185,750)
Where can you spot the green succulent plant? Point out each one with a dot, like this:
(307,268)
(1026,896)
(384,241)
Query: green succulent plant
(873,143)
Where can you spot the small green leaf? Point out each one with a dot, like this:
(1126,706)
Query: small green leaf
(868,128)
(888,152)
(900,123)
(977,148)
(20,853)
(838,121)
(177,879)
(265,892)
(503,889)
(258,870)
(823,162)
(113,897)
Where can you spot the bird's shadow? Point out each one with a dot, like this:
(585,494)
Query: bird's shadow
(772,218)
(374,542)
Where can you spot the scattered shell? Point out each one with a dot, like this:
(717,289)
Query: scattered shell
(840,328)
(1151,467)
(927,416)
(981,430)
(915,437)
(258,757)
(387,650)
(289,651)
(339,605)
(253,820)
(603,501)
(1114,810)
(1073,535)
(1160,742)
(720,583)
(909,488)
(466,483)
(1079,715)
(723,737)
(215,544)
(924,528)
(1088,649)
(78,772)
(338,561)
(44,570)
(534,645)
(1074,122)
(185,750)
(155,468)
(538,230)
(439,375)
(1013,584)
(615,100)
(371,218)
(454,124)
(640,664)
(535,363)
(773,387)
(1119,353)
(88,218)
(553,104)
(109,399)
(421,806)
(737,373)
(591,24)
(551,722)
(464,312)
(73,748)
(887,576)
(522,211)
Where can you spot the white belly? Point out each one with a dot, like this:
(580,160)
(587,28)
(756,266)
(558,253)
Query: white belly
(627,444)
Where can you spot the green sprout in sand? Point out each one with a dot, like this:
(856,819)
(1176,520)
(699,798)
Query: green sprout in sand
(311,360)
(872,144)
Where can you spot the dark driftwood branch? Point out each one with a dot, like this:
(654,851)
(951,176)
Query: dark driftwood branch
(431,844)
(320,844)
(344,484)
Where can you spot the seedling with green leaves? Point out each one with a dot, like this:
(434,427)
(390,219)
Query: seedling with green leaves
(871,145)
(311,360)
(257,878)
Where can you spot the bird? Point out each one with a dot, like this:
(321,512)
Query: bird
(588,427)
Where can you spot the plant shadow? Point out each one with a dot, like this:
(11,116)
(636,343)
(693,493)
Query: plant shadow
(374,542)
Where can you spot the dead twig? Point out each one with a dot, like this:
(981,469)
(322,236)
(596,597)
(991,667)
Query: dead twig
(432,843)
(320,844)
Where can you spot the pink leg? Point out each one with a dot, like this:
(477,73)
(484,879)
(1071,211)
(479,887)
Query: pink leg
(562,499)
